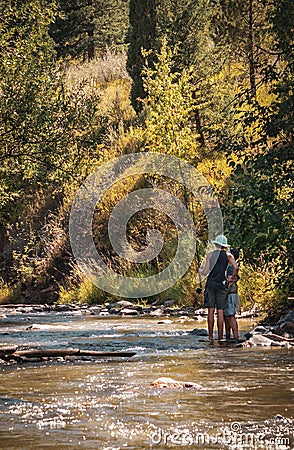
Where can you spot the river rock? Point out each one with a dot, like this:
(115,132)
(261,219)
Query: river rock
(114,311)
(128,312)
(260,329)
(169,303)
(199,332)
(200,312)
(157,312)
(95,309)
(138,308)
(124,304)
(198,318)
(287,327)
(262,341)
(62,307)
(289,317)
(7,349)
(165,382)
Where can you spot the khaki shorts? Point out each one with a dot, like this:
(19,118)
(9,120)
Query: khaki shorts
(232,305)
(215,298)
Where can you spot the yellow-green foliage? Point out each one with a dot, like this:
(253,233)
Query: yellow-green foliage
(258,286)
(184,291)
(216,170)
(7,293)
(83,292)
(168,109)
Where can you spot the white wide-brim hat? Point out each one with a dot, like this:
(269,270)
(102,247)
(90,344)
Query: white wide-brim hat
(221,240)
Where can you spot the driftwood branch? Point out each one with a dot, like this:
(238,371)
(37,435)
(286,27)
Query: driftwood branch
(276,337)
(11,353)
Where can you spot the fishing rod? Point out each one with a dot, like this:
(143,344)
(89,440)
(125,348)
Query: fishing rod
(199,289)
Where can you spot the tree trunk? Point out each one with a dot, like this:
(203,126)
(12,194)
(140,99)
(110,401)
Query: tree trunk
(198,122)
(251,49)
(91,28)
(199,127)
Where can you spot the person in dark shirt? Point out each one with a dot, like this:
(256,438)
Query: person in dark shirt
(216,287)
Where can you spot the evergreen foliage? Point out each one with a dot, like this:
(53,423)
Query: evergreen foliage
(41,125)
(142,36)
(87,28)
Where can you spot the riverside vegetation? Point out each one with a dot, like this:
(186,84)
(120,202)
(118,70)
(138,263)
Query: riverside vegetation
(217,92)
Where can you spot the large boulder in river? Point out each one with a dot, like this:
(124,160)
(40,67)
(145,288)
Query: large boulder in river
(165,382)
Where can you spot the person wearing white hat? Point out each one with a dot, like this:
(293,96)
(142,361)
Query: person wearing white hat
(216,289)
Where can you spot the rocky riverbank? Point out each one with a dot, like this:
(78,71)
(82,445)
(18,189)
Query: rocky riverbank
(120,308)
(280,334)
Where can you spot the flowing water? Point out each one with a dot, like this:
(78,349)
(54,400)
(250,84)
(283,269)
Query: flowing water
(244,399)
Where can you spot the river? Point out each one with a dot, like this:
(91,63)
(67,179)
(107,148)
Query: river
(244,399)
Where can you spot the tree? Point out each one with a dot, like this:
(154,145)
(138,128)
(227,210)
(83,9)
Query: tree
(86,28)
(142,35)
(188,29)
(244,28)
(44,130)
(168,107)
(261,199)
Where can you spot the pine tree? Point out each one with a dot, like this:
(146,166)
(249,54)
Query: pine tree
(68,30)
(86,28)
(190,37)
(244,28)
(142,35)
(187,28)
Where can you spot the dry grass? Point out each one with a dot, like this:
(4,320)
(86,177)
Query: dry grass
(97,72)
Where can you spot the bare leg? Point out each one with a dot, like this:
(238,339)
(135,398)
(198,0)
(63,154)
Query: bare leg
(227,327)
(220,323)
(234,326)
(210,322)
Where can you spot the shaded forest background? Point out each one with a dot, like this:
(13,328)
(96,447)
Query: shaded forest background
(85,81)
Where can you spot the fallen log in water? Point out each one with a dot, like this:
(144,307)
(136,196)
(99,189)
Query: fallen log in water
(26,355)
(8,349)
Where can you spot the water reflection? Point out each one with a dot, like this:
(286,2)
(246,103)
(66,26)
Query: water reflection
(108,404)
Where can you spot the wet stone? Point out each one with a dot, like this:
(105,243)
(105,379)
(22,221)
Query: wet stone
(199,332)
(128,312)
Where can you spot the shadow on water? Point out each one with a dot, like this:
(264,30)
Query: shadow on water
(244,399)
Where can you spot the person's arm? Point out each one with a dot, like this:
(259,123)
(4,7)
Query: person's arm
(206,269)
(232,261)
